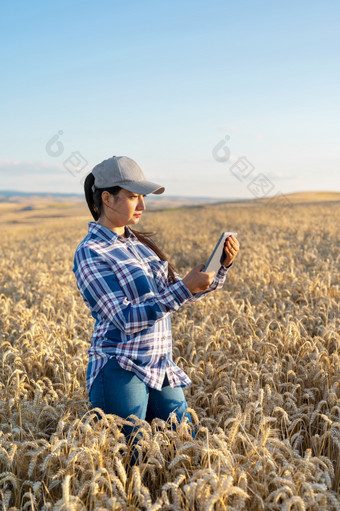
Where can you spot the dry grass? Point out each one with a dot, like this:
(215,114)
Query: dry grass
(263,355)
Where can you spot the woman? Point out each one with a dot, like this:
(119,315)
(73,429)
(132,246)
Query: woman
(131,289)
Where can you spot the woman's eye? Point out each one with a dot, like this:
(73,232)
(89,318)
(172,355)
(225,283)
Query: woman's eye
(136,196)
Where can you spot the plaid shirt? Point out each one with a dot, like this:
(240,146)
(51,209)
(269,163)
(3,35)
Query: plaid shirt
(126,287)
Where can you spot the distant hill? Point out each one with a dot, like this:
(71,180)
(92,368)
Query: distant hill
(23,207)
(18,207)
(11,200)
(36,200)
(314,196)
(16,194)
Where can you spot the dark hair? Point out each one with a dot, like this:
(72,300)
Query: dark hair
(94,202)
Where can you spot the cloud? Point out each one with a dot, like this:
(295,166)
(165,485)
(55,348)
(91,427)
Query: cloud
(279,176)
(257,134)
(40,176)
(20,168)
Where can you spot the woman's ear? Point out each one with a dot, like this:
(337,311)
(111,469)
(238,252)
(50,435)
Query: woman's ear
(105,197)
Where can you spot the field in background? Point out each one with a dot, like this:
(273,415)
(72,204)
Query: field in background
(18,209)
(262,353)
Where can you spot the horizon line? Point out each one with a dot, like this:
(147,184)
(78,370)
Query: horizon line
(12,192)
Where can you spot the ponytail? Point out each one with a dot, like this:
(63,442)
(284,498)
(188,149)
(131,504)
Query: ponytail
(93,198)
(88,184)
(93,195)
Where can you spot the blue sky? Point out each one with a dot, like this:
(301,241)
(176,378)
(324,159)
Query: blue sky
(164,83)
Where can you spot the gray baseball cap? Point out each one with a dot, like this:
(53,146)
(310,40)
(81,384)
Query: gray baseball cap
(124,172)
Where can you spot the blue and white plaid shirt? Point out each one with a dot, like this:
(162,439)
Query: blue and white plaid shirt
(126,287)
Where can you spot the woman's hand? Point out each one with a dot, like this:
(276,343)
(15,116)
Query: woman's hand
(231,249)
(197,280)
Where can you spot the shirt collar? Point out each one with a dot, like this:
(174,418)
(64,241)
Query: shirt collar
(106,234)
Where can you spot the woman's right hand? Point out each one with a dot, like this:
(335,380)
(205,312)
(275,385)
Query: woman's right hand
(197,280)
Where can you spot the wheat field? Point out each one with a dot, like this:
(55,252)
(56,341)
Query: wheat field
(263,355)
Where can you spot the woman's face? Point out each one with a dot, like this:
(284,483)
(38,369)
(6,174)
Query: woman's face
(125,208)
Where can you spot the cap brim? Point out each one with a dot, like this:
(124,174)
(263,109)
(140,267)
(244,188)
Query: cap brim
(143,187)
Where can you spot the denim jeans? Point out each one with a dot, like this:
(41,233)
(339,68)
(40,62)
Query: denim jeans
(120,392)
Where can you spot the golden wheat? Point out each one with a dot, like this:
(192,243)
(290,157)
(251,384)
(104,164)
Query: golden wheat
(263,356)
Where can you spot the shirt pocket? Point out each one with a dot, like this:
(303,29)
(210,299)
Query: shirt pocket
(159,271)
(134,280)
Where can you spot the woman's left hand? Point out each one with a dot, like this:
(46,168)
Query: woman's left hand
(231,249)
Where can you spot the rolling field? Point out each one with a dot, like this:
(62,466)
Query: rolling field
(263,355)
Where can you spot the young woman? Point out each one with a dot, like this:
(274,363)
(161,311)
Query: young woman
(131,290)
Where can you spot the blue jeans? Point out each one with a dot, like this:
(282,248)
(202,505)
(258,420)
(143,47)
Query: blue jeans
(120,392)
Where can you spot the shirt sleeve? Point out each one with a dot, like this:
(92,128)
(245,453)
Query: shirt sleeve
(217,283)
(104,296)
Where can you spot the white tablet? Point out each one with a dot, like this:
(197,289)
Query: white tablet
(217,257)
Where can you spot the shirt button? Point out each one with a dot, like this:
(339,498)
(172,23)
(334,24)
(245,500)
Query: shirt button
(162,358)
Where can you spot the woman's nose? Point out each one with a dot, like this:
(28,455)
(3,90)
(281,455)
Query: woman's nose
(141,204)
